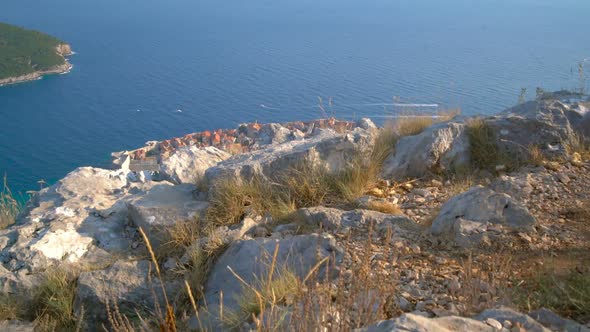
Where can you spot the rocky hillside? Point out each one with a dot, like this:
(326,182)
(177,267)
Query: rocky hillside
(460,225)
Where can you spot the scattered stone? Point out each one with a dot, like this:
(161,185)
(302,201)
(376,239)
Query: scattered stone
(493,323)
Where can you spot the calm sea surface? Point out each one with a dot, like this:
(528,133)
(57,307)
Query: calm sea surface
(151,70)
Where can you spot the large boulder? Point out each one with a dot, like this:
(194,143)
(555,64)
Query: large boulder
(440,147)
(128,285)
(188,164)
(468,216)
(327,149)
(162,206)
(250,259)
(549,124)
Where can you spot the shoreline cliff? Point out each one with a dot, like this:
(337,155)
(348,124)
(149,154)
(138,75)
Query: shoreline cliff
(64,50)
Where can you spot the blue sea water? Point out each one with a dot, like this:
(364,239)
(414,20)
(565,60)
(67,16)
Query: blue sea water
(221,63)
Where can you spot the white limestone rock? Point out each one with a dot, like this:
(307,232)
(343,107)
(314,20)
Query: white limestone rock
(440,147)
(188,164)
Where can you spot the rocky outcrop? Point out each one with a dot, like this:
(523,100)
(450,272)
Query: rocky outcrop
(550,125)
(81,218)
(472,216)
(441,147)
(327,149)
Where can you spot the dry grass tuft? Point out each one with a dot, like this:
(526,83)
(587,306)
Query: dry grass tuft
(267,293)
(10,307)
(485,153)
(53,301)
(484,283)
(263,300)
(304,185)
(232,198)
(536,157)
(179,236)
(361,295)
(568,294)
(9,206)
(384,207)
(201,260)
(578,145)
(410,125)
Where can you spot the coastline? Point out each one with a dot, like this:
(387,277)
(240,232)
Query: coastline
(64,50)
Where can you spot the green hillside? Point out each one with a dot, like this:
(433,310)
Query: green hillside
(25,51)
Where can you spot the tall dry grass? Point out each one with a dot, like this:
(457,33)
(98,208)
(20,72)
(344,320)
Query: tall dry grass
(9,206)
(359,296)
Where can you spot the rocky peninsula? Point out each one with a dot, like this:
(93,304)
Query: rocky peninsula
(451,223)
(27,55)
